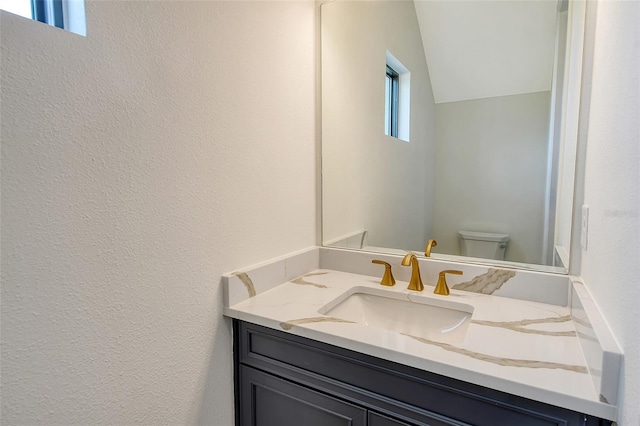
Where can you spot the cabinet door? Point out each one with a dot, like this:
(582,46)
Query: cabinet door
(267,400)
(377,419)
(417,419)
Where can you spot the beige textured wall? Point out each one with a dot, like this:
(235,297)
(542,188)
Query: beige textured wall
(610,265)
(174,143)
(369,180)
(491,170)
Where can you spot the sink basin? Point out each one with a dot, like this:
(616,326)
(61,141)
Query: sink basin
(426,317)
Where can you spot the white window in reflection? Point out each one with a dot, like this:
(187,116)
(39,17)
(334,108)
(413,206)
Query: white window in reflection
(397,110)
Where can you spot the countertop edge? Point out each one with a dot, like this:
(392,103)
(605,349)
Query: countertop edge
(594,408)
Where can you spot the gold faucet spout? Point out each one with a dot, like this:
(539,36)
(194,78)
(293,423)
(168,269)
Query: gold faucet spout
(415,283)
(430,244)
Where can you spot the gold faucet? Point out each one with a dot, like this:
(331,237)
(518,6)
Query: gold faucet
(431,243)
(416,282)
(441,287)
(387,278)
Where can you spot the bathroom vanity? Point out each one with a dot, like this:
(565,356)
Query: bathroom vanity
(318,341)
(282,379)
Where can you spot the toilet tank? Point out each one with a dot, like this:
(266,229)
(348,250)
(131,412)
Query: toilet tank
(485,245)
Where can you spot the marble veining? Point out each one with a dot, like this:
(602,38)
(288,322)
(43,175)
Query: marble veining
(315,274)
(487,283)
(506,362)
(302,281)
(288,324)
(251,289)
(520,325)
(513,344)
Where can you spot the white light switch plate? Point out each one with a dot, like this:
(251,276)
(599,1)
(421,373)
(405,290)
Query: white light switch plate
(585,227)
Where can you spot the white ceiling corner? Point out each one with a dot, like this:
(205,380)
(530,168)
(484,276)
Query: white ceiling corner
(486,48)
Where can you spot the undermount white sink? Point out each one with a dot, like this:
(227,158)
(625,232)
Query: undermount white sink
(429,318)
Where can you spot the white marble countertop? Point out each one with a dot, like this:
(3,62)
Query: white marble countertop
(520,347)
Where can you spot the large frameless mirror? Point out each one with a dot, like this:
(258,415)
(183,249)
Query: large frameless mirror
(452,121)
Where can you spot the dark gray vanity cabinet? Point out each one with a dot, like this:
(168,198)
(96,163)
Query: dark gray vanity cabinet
(286,380)
(277,402)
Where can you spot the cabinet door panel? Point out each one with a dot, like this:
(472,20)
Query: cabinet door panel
(270,401)
(376,419)
(425,419)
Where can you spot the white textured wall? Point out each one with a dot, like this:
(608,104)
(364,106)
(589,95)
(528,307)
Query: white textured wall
(174,143)
(490,171)
(372,181)
(611,264)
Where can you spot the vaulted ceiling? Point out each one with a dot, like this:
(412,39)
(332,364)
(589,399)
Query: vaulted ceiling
(486,48)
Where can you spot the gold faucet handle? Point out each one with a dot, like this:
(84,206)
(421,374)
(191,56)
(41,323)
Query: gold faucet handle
(387,278)
(441,287)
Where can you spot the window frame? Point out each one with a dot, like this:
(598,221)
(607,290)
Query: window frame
(392,77)
(48,11)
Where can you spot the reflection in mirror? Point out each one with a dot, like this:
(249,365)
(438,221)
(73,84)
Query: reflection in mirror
(480,151)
